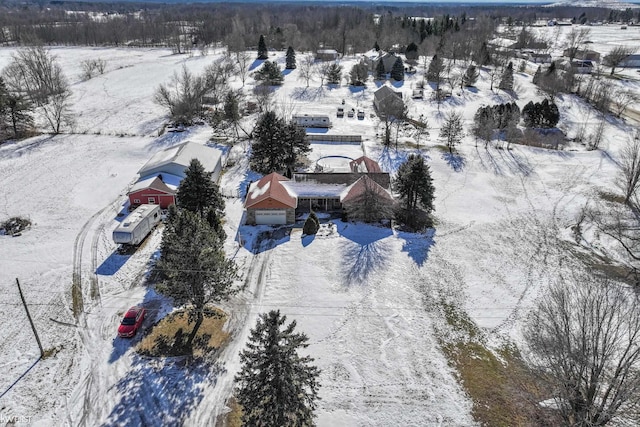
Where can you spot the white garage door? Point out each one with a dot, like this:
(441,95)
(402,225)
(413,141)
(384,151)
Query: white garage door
(271,217)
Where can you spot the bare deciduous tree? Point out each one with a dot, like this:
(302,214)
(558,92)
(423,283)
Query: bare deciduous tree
(452,131)
(306,68)
(92,66)
(183,96)
(630,168)
(35,74)
(622,98)
(584,338)
(617,55)
(243,61)
(372,204)
(574,39)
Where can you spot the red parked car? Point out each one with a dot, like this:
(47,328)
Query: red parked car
(131,322)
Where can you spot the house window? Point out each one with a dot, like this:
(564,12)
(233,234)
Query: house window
(136,201)
(152,200)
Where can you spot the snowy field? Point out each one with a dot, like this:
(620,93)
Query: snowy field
(366,296)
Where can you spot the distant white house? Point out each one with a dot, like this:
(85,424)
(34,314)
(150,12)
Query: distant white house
(631,61)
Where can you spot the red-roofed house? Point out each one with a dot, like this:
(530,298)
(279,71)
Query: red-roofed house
(276,200)
(354,192)
(270,202)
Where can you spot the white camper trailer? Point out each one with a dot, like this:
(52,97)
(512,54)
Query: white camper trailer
(135,227)
(308,121)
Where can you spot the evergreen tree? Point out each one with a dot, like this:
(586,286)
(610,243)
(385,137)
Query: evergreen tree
(483,124)
(414,185)
(263,53)
(296,145)
(334,74)
(358,74)
(411,53)
(311,224)
(543,114)
(397,71)
(537,75)
(381,73)
(550,114)
(452,131)
(483,57)
(376,46)
(267,153)
(270,74)
(276,386)
(290,59)
(506,82)
(194,266)
(278,145)
(18,115)
(470,76)
(434,72)
(197,191)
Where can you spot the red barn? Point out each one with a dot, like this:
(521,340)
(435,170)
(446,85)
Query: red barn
(159,189)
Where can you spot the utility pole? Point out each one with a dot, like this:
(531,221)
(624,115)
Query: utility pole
(33,327)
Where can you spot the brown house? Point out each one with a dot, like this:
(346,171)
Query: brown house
(276,200)
(270,202)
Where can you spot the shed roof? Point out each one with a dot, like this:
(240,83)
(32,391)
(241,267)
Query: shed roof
(270,187)
(182,155)
(384,92)
(160,181)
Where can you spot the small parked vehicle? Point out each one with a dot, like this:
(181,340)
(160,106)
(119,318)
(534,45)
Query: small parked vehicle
(131,322)
(360,115)
(351,113)
(340,112)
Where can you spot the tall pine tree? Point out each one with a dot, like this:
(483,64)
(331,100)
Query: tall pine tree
(414,184)
(278,145)
(263,53)
(270,74)
(434,72)
(381,73)
(334,74)
(197,191)
(267,152)
(359,74)
(506,81)
(290,59)
(276,386)
(397,71)
(194,266)
(470,76)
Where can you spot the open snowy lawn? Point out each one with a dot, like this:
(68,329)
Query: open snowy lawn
(366,296)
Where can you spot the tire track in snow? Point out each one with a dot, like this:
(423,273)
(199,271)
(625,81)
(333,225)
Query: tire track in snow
(95,388)
(243,312)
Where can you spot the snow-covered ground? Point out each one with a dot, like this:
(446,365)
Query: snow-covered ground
(366,296)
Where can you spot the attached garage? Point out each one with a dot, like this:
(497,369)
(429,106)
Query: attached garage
(269,202)
(271,217)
